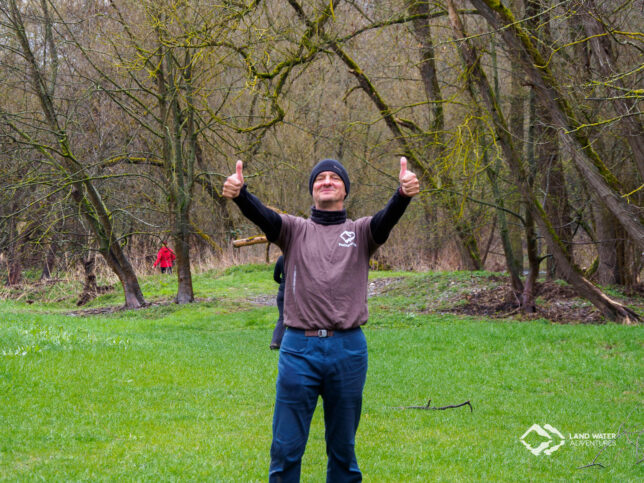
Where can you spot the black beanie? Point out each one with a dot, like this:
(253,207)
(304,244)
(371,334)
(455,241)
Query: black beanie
(330,165)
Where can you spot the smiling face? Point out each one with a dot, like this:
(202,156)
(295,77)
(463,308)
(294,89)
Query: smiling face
(329,191)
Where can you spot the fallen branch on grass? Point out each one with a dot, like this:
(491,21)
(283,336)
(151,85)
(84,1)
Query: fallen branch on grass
(591,465)
(620,434)
(429,401)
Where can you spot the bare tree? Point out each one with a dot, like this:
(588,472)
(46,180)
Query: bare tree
(56,145)
(610,309)
(606,187)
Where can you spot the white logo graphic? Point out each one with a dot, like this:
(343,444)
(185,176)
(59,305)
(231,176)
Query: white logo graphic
(545,447)
(347,238)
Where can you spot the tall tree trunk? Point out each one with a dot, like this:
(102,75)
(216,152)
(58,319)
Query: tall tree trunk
(511,234)
(517,123)
(109,248)
(556,196)
(185,292)
(547,160)
(180,204)
(534,261)
(90,288)
(532,246)
(514,269)
(427,68)
(179,164)
(606,232)
(434,140)
(609,308)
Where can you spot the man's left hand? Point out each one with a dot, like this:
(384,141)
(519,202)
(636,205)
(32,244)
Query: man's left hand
(409,185)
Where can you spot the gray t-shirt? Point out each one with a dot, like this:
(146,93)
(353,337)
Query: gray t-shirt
(326,272)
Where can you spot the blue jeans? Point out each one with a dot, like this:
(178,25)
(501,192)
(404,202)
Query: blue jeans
(335,368)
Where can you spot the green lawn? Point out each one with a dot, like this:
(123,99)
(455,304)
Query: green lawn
(186,393)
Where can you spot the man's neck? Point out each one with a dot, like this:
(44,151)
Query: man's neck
(329,205)
(328,217)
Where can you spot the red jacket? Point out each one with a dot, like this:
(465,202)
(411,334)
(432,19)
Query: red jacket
(165,257)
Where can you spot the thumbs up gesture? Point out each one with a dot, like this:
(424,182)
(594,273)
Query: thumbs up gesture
(409,185)
(234,182)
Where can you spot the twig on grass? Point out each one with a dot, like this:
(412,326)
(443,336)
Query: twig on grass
(429,401)
(620,434)
(590,465)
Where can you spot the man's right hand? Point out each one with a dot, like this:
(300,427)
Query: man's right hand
(408,181)
(235,182)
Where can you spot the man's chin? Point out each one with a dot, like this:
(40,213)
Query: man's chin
(327,204)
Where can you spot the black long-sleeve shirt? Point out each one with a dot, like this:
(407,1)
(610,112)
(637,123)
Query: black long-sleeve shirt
(270,222)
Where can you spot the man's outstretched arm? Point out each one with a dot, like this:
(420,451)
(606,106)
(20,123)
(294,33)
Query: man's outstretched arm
(266,219)
(383,222)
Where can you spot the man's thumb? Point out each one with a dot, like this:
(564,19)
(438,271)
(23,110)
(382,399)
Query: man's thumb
(240,168)
(403,166)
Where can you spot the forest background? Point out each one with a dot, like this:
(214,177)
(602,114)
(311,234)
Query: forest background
(119,121)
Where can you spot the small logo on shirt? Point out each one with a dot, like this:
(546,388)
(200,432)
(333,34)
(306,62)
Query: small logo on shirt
(348,237)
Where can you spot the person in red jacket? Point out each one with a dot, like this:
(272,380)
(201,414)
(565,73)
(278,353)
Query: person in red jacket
(165,258)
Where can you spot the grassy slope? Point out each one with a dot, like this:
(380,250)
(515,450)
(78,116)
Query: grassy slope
(187,392)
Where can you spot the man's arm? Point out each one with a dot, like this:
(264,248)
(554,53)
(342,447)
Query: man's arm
(266,219)
(383,222)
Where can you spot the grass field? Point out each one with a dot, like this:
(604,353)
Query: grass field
(186,393)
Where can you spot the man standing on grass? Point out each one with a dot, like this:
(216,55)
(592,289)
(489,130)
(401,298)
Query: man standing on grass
(323,352)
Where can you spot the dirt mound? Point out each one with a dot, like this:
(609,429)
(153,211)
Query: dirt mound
(554,302)
(555,291)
